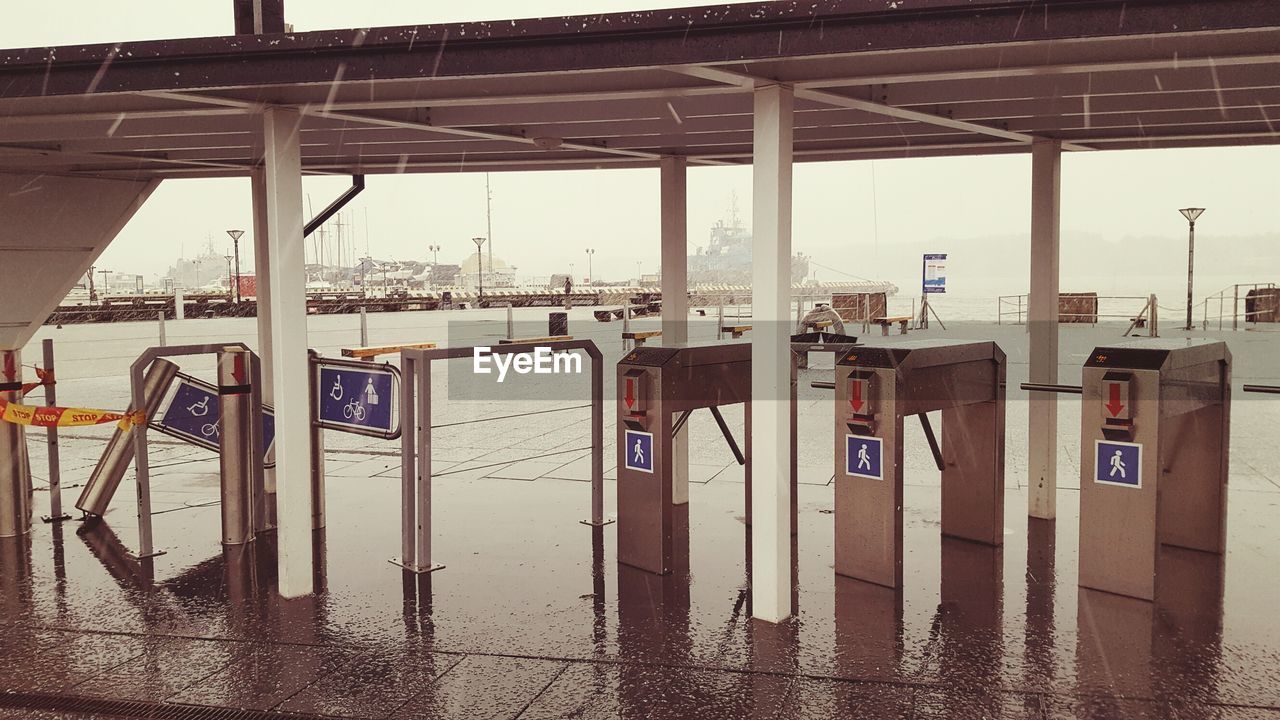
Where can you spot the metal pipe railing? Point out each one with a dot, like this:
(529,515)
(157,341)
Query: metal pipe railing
(1269,389)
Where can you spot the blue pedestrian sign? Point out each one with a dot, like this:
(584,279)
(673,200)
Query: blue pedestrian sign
(863,457)
(638,449)
(193,414)
(1117,463)
(359,400)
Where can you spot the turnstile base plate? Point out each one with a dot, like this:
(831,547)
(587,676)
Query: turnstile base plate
(417,570)
(153,553)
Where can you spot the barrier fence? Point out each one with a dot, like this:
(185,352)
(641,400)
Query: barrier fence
(1243,302)
(1138,311)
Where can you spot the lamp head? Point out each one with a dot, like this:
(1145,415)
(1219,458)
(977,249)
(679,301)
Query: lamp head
(1191,213)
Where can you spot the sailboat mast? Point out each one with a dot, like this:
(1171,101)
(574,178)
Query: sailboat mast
(488,219)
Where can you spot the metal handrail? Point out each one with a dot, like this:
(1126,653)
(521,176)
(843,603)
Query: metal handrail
(1222,296)
(1021,311)
(1268,389)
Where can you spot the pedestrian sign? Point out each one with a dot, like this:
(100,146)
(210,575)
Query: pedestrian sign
(639,451)
(1117,463)
(863,456)
(355,399)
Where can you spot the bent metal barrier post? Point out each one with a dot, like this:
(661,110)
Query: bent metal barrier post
(415,441)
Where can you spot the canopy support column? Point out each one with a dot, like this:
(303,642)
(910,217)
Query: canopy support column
(1042,318)
(675,294)
(285,317)
(770,407)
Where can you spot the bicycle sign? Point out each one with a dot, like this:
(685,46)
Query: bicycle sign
(193,413)
(357,397)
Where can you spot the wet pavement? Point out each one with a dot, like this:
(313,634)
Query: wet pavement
(533,617)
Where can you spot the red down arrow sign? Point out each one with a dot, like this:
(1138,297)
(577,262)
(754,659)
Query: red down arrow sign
(1115,403)
(857,394)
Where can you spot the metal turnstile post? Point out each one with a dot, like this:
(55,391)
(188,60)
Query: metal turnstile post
(1155,440)
(51,435)
(15,466)
(876,388)
(235,438)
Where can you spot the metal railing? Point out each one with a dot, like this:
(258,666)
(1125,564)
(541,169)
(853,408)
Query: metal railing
(1017,308)
(1265,305)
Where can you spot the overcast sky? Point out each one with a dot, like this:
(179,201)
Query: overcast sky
(856,218)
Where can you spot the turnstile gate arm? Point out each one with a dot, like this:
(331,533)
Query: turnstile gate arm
(680,421)
(1270,389)
(1046,387)
(728,436)
(933,441)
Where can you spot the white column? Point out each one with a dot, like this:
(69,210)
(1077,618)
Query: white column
(675,297)
(286,317)
(770,367)
(1042,319)
(262,280)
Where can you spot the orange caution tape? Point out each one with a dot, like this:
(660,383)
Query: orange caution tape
(66,417)
(46,378)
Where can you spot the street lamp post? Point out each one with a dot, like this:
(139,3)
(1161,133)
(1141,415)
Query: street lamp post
(235,239)
(1191,214)
(435,254)
(591,277)
(479,241)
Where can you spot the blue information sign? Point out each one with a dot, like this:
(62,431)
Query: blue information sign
(639,450)
(359,400)
(193,413)
(863,457)
(1117,463)
(935,273)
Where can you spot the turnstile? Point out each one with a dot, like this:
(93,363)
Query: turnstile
(1154,441)
(657,389)
(877,387)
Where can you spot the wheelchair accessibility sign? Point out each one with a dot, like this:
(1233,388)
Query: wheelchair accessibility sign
(1117,463)
(193,413)
(639,451)
(359,400)
(863,457)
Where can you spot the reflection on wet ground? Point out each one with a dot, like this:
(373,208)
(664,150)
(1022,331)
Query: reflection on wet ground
(533,618)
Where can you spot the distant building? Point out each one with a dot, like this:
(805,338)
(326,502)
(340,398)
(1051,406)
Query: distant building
(497,275)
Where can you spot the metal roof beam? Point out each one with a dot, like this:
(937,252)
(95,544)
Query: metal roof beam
(745,81)
(323,112)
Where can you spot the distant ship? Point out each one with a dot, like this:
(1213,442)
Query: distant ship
(727,258)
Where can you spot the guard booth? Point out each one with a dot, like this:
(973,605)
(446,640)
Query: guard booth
(1154,444)
(658,388)
(877,388)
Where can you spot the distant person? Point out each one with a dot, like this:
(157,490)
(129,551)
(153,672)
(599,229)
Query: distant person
(568,289)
